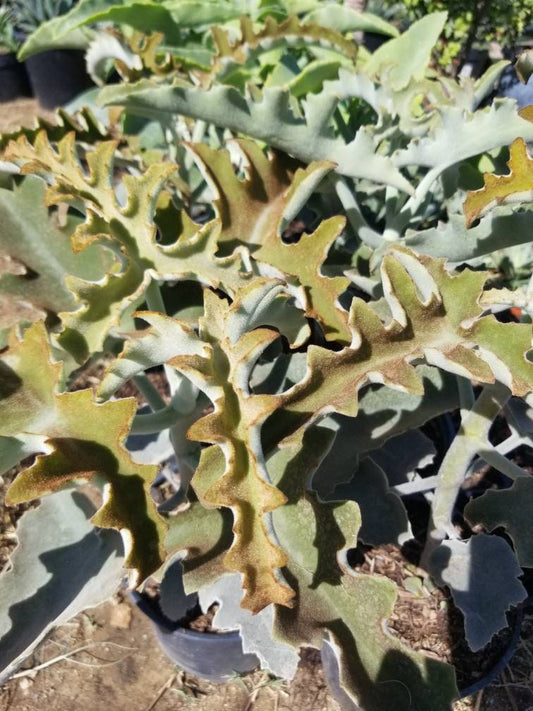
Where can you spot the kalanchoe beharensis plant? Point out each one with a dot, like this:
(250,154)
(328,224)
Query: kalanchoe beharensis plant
(319,314)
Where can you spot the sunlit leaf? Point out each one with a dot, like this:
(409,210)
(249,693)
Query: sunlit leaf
(498,189)
(77,447)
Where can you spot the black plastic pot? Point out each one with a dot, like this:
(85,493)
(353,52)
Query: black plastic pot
(214,657)
(13,78)
(58,76)
(374,40)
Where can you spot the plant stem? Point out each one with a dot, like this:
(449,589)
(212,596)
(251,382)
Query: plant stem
(154,300)
(415,487)
(469,441)
(197,136)
(466,393)
(187,452)
(342,126)
(417,198)
(155,421)
(500,462)
(512,442)
(172,138)
(355,217)
(149,391)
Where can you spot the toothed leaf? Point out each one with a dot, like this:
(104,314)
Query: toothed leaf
(270,119)
(84,124)
(435,316)
(41,257)
(376,670)
(482,576)
(220,362)
(240,60)
(253,212)
(129,227)
(479,132)
(404,58)
(498,189)
(510,508)
(78,447)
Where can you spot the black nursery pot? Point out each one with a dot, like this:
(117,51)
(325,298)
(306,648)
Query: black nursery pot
(13,78)
(374,40)
(214,657)
(58,76)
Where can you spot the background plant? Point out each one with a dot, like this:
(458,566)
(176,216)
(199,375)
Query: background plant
(30,15)
(8,42)
(470,22)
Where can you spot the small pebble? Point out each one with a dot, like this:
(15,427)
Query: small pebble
(25,683)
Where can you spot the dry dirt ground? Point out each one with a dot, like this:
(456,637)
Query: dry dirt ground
(123,669)
(108,659)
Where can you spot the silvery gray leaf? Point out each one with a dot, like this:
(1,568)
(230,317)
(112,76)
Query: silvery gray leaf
(173,599)
(385,414)
(150,448)
(383,515)
(256,630)
(402,455)
(47,585)
(482,574)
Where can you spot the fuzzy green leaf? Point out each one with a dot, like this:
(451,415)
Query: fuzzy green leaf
(78,447)
(502,227)
(166,339)
(435,316)
(130,227)
(376,670)
(168,17)
(205,536)
(332,601)
(498,189)
(384,518)
(235,427)
(460,135)
(220,363)
(253,213)
(169,338)
(482,574)
(49,582)
(269,118)
(344,18)
(43,258)
(405,58)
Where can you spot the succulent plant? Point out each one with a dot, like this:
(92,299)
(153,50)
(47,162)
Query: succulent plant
(316,282)
(8,42)
(29,15)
